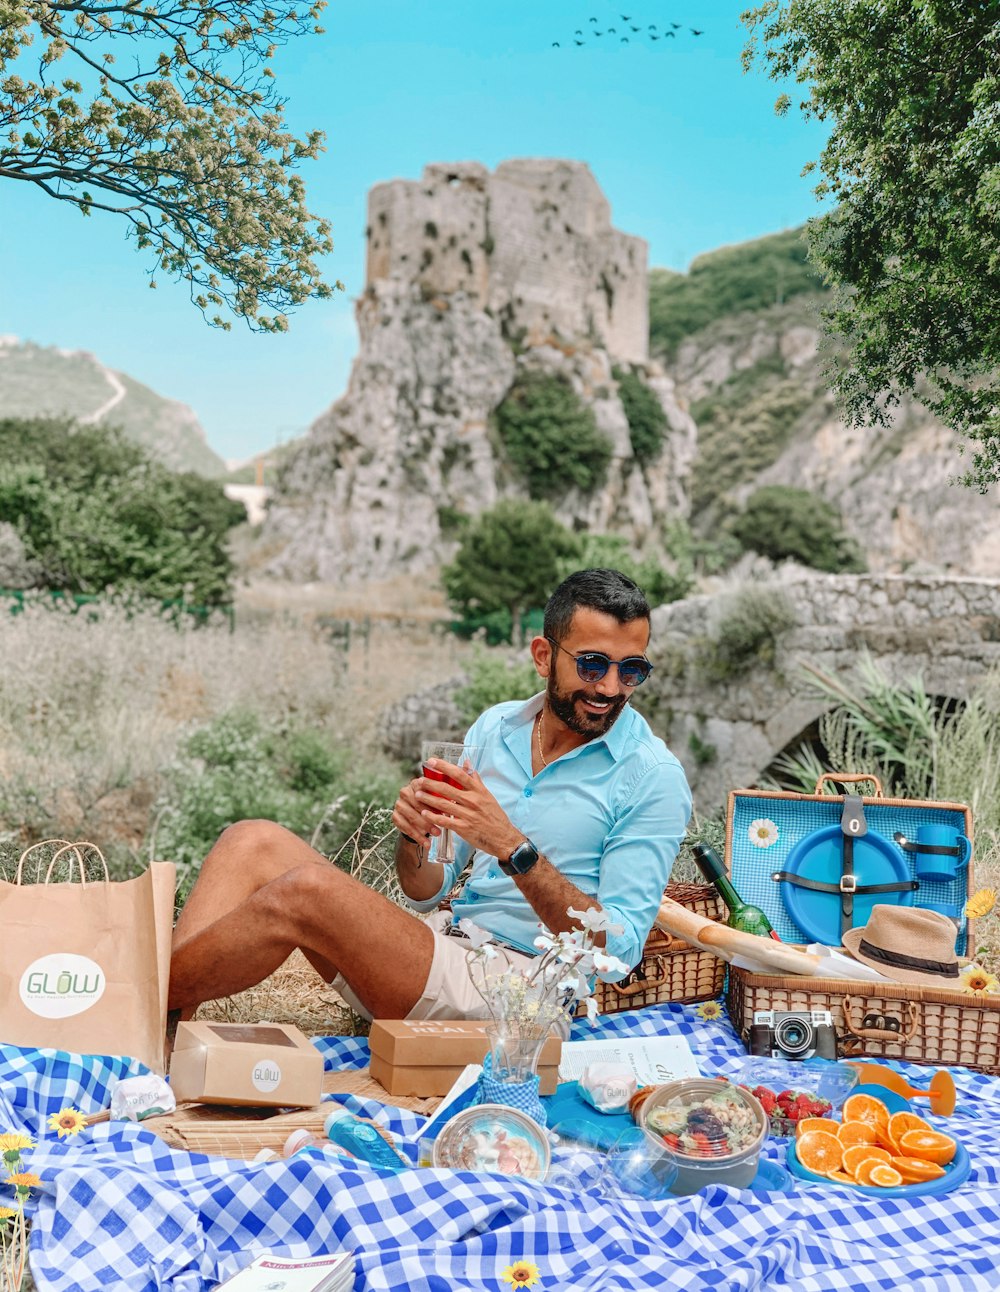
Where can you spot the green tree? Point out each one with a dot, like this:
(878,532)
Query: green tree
(184,138)
(911,91)
(96,511)
(550,435)
(784,523)
(508,559)
(647,422)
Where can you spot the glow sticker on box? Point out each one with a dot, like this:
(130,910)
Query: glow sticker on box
(266,1076)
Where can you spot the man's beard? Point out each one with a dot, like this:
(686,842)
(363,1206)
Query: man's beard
(563,705)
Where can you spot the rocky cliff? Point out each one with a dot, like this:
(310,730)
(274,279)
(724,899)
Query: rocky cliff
(44,381)
(474,276)
(753,383)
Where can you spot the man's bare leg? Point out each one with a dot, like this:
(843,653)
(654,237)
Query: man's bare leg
(261,893)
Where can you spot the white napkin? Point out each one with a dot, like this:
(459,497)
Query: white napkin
(837,965)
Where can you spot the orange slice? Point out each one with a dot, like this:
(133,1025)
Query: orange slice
(863,1175)
(900,1123)
(865,1108)
(915,1171)
(854,1157)
(852,1133)
(820,1152)
(885,1177)
(821,1124)
(929,1146)
(840,1177)
(883,1138)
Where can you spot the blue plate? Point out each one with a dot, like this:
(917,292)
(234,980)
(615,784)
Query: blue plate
(820,856)
(602,1129)
(955,1173)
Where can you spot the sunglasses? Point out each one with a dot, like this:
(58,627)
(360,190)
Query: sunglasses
(591,666)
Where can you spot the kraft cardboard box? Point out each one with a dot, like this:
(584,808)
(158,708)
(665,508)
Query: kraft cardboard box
(246,1063)
(425,1058)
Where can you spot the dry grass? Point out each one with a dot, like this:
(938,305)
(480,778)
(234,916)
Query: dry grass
(94,706)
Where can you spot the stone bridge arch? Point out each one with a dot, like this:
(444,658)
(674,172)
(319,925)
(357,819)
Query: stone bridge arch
(726,727)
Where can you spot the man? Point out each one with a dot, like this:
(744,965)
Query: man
(575,804)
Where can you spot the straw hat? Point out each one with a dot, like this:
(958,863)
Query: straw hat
(907,944)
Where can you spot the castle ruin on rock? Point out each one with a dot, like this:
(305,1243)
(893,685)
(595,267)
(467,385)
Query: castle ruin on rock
(472,274)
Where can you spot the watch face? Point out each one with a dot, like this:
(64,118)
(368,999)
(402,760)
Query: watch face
(521,859)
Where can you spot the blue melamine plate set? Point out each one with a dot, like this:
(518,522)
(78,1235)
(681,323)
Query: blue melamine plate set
(816,864)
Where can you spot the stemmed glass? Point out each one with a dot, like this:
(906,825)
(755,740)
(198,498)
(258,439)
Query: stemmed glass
(461,755)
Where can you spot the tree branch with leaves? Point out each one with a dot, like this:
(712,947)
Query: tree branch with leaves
(167,115)
(911,90)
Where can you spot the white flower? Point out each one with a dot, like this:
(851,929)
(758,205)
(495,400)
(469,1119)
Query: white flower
(544,943)
(594,920)
(762,832)
(605,964)
(592,1009)
(477,936)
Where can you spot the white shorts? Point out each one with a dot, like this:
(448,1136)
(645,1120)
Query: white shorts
(448,991)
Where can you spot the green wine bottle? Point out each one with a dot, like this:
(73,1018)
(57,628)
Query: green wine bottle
(749,919)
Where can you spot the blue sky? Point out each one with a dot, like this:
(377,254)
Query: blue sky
(686,147)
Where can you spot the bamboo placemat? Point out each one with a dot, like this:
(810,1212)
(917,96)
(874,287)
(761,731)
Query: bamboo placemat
(241,1132)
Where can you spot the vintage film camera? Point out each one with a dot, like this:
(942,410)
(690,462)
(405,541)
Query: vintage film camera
(793,1034)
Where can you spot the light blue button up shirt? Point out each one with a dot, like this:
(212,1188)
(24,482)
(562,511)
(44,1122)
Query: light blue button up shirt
(609,815)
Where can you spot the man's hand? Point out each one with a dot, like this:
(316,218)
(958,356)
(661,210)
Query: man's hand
(419,878)
(409,819)
(470,811)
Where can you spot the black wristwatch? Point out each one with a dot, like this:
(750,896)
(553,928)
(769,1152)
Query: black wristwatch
(520,860)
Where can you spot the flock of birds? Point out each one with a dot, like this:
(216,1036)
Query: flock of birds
(651,32)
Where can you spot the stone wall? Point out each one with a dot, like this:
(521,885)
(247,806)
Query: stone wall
(727,732)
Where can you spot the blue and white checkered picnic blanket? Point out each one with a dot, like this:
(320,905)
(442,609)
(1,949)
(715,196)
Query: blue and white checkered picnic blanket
(119,1211)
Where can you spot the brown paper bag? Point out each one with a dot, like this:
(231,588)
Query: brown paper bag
(85,965)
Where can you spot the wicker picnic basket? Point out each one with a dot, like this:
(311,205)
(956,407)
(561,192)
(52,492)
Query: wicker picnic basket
(926,1025)
(670,969)
(936,1026)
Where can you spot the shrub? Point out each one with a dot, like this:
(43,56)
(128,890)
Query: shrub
(782,523)
(647,422)
(243,766)
(550,437)
(751,276)
(495,676)
(95,510)
(746,632)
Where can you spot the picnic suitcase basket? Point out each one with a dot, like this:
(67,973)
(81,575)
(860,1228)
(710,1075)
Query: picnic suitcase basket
(671,970)
(923,1025)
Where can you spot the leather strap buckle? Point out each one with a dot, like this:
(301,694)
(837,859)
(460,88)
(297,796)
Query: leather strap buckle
(849,884)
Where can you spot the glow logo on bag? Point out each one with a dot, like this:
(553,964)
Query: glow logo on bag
(266,1075)
(61,985)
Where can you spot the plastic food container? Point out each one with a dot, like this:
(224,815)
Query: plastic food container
(715,1131)
(791,1091)
(493,1137)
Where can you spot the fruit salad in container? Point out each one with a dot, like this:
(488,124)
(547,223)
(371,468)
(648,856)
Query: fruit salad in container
(713,1123)
(790,1092)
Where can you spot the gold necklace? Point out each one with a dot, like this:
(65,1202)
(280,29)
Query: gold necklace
(538,737)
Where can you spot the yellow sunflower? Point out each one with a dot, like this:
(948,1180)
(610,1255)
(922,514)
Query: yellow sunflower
(68,1121)
(710,1010)
(981,903)
(8,1213)
(12,1145)
(521,1274)
(24,1182)
(978,981)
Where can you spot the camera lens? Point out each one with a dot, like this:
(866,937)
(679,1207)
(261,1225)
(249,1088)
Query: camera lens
(793,1035)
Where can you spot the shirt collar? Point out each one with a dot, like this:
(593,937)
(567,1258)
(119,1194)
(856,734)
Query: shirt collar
(614,740)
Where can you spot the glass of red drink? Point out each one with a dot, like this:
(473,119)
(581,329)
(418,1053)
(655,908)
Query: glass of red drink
(459,755)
